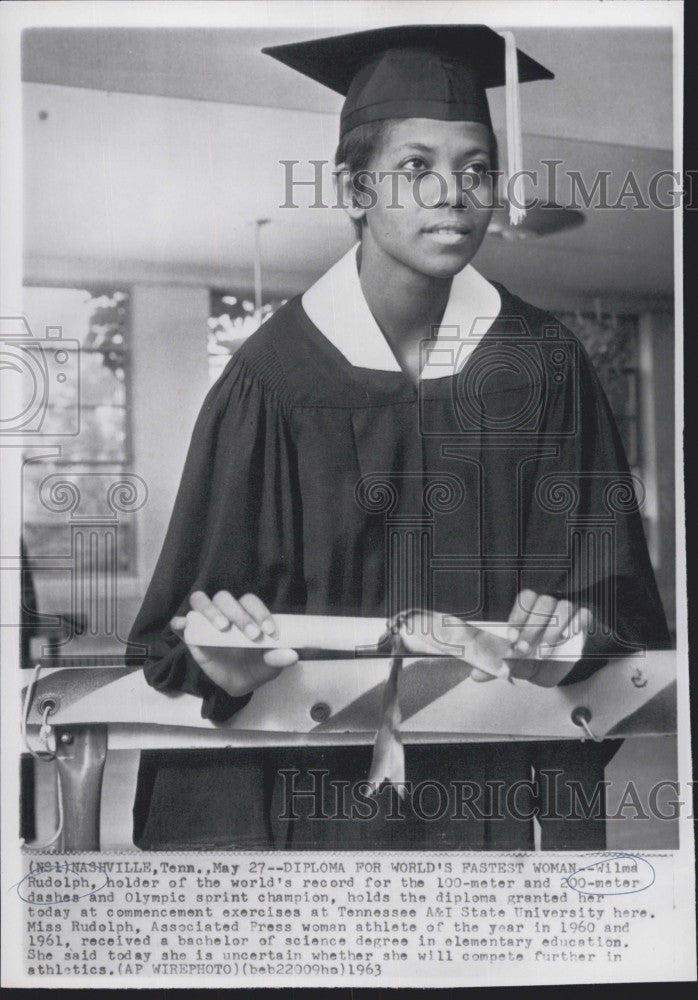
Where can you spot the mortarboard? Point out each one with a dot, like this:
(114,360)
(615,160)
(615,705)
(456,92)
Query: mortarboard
(419,71)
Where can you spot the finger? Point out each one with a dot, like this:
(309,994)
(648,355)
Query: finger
(581,621)
(536,623)
(202,603)
(260,613)
(520,612)
(558,623)
(479,676)
(178,622)
(280,658)
(235,613)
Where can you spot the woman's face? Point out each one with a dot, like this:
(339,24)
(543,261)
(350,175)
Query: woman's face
(433,197)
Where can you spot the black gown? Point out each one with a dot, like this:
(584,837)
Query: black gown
(508,475)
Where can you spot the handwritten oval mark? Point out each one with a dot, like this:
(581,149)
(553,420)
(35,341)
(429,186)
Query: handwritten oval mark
(617,875)
(58,867)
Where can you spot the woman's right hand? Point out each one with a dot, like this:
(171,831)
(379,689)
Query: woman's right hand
(236,671)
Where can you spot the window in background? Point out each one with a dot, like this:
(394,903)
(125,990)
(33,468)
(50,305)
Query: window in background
(231,321)
(612,343)
(94,326)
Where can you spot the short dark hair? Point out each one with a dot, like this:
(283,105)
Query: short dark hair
(358,147)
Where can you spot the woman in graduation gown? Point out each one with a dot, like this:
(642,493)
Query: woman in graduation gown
(403,386)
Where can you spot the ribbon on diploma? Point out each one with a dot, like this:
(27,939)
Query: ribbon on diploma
(388,760)
(421,632)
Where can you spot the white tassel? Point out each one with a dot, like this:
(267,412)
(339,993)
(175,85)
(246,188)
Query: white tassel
(388,760)
(517,213)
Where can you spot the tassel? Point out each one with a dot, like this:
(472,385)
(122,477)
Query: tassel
(418,632)
(517,213)
(388,761)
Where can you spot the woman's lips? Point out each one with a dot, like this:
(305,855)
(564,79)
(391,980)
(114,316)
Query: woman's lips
(448,234)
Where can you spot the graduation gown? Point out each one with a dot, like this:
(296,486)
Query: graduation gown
(501,470)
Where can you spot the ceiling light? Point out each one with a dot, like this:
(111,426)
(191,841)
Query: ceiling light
(540,220)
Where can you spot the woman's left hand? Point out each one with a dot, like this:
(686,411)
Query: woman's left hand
(541,620)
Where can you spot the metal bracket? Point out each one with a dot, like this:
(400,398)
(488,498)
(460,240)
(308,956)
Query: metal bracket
(80,754)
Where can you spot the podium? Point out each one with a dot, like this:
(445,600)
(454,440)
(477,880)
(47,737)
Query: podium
(91,710)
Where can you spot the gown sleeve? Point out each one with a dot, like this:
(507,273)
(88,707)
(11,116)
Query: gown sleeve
(233,527)
(586,505)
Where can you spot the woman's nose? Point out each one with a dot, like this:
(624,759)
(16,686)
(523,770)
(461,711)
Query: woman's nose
(452,189)
(434,188)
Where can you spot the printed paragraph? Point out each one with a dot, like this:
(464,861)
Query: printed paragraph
(266,918)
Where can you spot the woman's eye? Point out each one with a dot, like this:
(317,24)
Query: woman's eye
(479,169)
(414,163)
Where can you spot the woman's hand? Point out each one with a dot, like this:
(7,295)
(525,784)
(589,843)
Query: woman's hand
(237,671)
(535,621)
(541,620)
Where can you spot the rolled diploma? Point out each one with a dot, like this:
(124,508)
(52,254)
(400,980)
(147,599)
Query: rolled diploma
(333,635)
(313,632)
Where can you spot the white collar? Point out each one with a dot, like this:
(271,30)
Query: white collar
(337,307)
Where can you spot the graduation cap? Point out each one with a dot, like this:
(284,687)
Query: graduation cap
(421,71)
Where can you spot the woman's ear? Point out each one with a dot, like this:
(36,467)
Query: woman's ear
(346,193)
